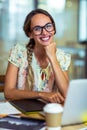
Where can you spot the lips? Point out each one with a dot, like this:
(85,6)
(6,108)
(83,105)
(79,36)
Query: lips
(45,38)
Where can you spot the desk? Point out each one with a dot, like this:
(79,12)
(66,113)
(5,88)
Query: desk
(19,124)
(73,127)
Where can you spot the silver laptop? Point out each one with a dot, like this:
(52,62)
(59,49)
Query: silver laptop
(76,103)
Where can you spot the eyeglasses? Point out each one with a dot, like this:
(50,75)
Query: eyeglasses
(37,30)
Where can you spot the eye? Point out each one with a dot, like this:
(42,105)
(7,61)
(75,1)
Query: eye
(37,28)
(49,25)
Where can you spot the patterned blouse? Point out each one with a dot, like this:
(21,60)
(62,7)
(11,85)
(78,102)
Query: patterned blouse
(43,78)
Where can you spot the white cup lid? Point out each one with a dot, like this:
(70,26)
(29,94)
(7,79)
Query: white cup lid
(53,108)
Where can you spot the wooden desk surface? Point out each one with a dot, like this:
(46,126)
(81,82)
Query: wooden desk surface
(38,116)
(71,127)
(74,127)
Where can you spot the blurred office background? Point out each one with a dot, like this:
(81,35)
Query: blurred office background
(71,26)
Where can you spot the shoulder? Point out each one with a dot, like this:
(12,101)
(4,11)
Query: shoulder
(62,54)
(63,58)
(19,46)
(18,49)
(17,54)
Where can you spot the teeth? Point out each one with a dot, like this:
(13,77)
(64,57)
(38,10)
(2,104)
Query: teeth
(45,38)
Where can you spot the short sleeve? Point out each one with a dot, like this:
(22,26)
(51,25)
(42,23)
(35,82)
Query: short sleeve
(64,59)
(16,55)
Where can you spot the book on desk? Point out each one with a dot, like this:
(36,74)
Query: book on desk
(27,106)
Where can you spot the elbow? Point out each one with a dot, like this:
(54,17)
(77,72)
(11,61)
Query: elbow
(8,95)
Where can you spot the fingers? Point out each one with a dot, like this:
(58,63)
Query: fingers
(52,97)
(57,98)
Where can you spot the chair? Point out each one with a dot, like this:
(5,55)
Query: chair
(2,81)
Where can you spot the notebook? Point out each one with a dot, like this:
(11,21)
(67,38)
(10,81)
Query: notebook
(75,108)
(28,105)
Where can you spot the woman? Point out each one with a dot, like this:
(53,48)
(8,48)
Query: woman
(38,70)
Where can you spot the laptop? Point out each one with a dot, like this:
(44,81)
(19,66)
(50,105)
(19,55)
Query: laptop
(75,107)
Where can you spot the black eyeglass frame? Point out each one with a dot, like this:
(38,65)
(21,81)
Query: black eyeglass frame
(43,27)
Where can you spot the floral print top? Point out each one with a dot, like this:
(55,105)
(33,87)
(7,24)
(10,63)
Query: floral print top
(43,78)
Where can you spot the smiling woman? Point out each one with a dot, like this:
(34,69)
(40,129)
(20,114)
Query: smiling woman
(39,70)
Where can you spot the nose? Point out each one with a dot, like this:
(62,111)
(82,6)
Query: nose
(44,31)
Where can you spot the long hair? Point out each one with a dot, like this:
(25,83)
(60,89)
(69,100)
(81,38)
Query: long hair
(31,44)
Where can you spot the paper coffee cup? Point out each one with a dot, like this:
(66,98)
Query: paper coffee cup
(53,115)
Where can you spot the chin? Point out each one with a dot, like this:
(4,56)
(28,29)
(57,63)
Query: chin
(46,44)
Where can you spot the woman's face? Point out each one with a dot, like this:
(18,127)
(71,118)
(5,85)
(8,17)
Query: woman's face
(42,30)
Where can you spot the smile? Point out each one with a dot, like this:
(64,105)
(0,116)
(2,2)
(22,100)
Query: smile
(45,38)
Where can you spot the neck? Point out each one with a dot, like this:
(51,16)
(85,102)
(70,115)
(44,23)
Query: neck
(40,52)
(41,57)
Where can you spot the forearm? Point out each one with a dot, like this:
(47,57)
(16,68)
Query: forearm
(14,94)
(61,79)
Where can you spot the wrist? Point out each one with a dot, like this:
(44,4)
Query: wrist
(39,94)
(53,59)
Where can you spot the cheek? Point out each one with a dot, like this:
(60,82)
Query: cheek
(36,38)
(53,32)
